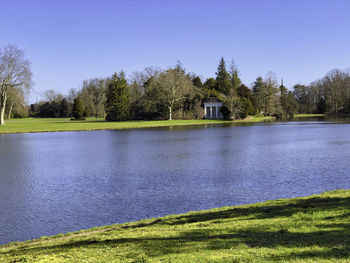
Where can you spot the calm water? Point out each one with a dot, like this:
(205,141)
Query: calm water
(54,183)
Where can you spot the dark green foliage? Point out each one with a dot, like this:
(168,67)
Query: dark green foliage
(288,103)
(302,95)
(118,98)
(265,95)
(246,107)
(244,92)
(49,109)
(197,82)
(78,109)
(223,83)
(87,111)
(64,110)
(259,94)
(321,106)
(210,83)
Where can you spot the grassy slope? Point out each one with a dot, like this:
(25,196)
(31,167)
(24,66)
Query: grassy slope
(310,229)
(65,124)
(304,115)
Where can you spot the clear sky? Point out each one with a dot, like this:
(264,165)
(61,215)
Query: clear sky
(68,41)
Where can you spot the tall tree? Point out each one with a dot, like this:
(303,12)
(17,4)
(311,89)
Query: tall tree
(223,82)
(78,109)
(272,103)
(288,102)
(171,87)
(65,111)
(15,103)
(259,93)
(14,73)
(93,94)
(118,98)
(141,101)
(234,76)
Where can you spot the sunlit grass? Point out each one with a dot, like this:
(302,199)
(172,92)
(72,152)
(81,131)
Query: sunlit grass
(309,229)
(308,115)
(65,124)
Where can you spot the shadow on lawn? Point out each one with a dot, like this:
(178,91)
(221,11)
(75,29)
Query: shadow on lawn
(314,204)
(335,243)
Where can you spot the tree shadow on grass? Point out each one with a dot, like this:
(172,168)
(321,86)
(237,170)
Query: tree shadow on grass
(335,244)
(333,239)
(264,212)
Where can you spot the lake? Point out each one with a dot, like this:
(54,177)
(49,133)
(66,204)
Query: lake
(53,183)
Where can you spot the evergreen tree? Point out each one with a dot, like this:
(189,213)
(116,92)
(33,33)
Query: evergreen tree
(288,103)
(64,109)
(118,101)
(210,83)
(259,94)
(234,78)
(78,109)
(87,111)
(196,81)
(223,82)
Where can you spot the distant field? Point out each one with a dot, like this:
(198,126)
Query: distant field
(309,229)
(65,124)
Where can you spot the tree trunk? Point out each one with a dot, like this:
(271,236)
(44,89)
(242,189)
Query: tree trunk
(2,108)
(2,117)
(170,113)
(10,110)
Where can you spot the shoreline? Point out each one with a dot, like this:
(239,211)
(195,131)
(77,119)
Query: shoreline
(43,125)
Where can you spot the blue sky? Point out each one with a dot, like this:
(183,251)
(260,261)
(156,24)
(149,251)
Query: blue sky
(69,41)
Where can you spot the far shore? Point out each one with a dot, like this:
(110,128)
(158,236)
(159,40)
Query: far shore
(32,125)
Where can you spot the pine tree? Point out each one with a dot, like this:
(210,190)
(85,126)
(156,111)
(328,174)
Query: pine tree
(234,78)
(259,94)
(64,112)
(288,103)
(118,98)
(78,109)
(223,82)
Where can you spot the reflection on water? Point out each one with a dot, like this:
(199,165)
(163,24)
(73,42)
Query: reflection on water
(53,183)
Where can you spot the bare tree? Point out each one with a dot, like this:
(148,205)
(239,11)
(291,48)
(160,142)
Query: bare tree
(172,86)
(14,73)
(51,96)
(15,101)
(93,94)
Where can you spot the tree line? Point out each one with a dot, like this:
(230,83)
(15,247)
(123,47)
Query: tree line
(153,94)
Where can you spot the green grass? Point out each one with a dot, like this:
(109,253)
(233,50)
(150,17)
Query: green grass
(65,124)
(309,229)
(304,115)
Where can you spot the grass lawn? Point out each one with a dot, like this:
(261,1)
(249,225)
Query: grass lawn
(309,229)
(65,124)
(304,115)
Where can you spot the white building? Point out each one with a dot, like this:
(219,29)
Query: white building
(212,109)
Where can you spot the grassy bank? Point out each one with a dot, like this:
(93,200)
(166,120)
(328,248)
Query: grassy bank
(65,124)
(304,115)
(310,229)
